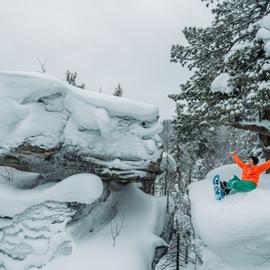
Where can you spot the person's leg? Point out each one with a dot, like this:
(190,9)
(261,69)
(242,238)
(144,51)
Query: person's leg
(233,180)
(225,189)
(243,186)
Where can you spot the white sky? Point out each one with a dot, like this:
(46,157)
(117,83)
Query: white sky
(105,41)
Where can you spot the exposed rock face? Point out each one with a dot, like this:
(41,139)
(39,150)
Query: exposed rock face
(57,130)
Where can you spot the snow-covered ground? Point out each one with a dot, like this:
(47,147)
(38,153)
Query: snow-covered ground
(37,230)
(139,220)
(234,233)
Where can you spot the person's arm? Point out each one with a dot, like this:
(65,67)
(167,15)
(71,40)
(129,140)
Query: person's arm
(237,160)
(264,166)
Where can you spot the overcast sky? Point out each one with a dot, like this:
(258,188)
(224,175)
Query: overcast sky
(106,41)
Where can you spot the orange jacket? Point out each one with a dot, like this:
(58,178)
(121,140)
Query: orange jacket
(251,173)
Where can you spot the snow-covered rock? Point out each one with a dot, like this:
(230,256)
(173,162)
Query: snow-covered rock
(72,225)
(33,222)
(233,234)
(70,130)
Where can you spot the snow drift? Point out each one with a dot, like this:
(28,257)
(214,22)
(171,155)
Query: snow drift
(46,123)
(233,233)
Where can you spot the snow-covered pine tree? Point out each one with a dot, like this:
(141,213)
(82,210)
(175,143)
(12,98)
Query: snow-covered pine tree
(71,78)
(193,160)
(118,91)
(228,85)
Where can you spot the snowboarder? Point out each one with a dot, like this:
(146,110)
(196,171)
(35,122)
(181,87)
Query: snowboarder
(250,175)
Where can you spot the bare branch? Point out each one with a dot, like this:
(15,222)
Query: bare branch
(8,174)
(43,65)
(116,228)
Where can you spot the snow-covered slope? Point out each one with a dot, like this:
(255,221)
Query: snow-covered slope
(52,122)
(234,233)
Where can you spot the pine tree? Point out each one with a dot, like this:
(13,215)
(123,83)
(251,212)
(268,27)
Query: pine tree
(71,78)
(118,91)
(228,47)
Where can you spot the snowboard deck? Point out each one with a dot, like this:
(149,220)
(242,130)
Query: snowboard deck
(219,193)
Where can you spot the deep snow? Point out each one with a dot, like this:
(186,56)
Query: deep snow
(143,219)
(234,232)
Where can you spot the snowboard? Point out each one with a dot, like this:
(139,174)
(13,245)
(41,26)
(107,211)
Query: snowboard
(219,193)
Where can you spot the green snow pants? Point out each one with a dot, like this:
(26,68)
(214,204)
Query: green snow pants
(238,185)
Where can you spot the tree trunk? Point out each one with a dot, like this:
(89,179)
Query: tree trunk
(177,249)
(263,132)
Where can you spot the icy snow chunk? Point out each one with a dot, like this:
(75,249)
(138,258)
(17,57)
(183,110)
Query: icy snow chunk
(220,84)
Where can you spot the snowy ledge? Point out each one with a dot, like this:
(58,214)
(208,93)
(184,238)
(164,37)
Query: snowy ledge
(81,188)
(61,127)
